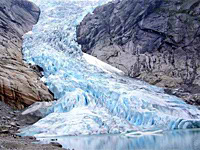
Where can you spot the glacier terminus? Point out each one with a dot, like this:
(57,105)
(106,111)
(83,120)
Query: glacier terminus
(93,97)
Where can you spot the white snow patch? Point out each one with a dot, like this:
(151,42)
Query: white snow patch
(102,65)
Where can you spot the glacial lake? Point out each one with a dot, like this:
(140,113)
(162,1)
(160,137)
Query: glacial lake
(168,140)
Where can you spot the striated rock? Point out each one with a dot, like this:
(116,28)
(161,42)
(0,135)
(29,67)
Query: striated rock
(157,41)
(20,85)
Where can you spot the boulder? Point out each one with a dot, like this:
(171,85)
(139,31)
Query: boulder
(20,85)
(38,109)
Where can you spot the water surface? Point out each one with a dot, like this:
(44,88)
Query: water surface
(168,140)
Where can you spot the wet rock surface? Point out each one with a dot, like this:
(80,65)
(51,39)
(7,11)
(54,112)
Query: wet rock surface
(157,41)
(20,85)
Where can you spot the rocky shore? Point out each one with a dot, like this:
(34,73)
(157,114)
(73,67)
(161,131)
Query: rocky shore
(10,121)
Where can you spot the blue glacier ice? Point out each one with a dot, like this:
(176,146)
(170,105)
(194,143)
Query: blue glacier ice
(93,97)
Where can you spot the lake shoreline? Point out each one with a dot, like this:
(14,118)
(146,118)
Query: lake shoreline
(12,120)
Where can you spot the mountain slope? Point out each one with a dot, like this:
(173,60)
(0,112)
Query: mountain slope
(157,41)
(20,85)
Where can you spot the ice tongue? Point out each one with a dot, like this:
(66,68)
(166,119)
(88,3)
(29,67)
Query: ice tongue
(92,97)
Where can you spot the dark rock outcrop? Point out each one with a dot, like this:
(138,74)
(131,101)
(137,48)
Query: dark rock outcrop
(20,85)
(157,41)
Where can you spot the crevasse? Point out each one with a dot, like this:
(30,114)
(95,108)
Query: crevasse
(93,97)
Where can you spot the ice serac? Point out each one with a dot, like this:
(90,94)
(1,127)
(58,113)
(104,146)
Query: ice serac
(93,98)
(20,85)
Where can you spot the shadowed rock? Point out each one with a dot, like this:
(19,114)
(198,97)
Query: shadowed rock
(20,85)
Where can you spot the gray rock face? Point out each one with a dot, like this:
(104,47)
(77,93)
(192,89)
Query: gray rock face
(20,85)
(157,41)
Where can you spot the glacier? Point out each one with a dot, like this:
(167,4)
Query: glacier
(93,97)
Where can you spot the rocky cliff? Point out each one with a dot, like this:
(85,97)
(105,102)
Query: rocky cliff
(157,41)
(20,84)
